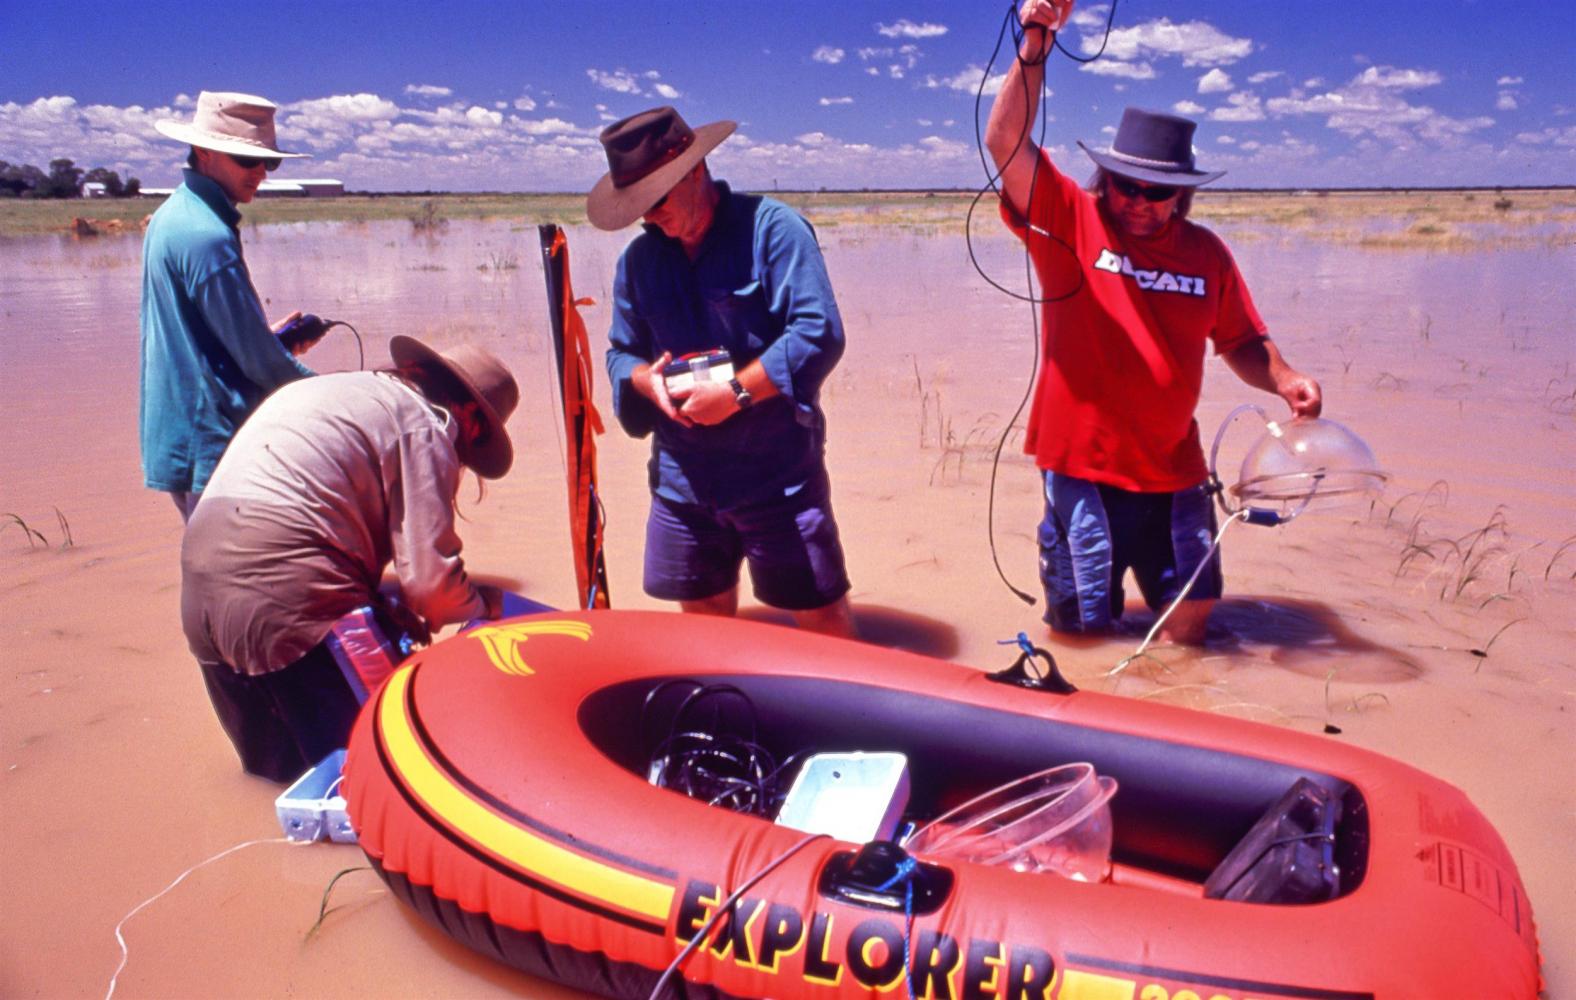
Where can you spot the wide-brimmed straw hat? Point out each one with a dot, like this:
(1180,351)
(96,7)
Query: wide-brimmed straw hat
(489,383)
(1155,147)
(647,154)
(241,124)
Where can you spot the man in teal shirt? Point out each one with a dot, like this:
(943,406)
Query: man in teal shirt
(209,355)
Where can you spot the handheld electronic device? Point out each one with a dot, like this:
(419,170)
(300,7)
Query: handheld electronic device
(304,329)
(701,366)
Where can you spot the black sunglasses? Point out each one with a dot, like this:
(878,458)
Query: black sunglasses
(251,162)
(1147,192)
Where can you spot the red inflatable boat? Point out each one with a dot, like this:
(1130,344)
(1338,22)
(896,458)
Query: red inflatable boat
(499,783)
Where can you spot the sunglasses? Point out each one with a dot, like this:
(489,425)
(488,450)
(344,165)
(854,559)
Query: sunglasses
(1151,193)
(252,162)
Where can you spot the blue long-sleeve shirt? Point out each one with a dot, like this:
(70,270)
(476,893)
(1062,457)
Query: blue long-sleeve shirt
(208,355)
(759,289)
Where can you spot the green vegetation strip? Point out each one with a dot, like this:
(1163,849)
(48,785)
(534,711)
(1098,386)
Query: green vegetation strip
(1424,215)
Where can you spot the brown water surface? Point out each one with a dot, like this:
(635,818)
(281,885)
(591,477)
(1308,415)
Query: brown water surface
(1435,623)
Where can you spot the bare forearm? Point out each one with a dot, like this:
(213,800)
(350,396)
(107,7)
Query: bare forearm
(1259,363)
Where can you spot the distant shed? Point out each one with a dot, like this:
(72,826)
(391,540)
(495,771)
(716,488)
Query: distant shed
(301,188)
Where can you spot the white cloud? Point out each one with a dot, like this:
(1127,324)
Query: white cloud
(1506,102)
(1198,43)
(967,81)
(524,103)
(827,102)
(1245,106)
(904,28)
(549,126)
(1216,81)
(1552,136)
(483,116)
(906,56)
(1225,140)
(1110,67)
(326,122)
(427,90)
(620,81)
(666,90)
(1371,106)
(1507,81)
(1265,76)
(828,54)
(1397,79)
(1187,108)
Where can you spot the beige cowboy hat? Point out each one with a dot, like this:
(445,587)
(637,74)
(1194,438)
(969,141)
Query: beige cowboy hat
(240,124)
(647,154)
(488,381)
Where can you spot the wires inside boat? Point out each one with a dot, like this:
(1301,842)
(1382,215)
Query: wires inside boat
(711,752)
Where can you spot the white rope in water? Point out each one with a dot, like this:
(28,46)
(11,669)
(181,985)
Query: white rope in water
(1154,630)
(125,955)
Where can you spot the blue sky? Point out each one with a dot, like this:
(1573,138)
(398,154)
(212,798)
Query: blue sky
(472,96)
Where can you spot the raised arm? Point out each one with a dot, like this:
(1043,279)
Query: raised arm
(1009,132)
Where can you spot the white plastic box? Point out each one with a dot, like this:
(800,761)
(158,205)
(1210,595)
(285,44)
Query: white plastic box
(312,808)
(857,797)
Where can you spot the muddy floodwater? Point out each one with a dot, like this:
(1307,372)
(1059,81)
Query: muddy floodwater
(1435,622)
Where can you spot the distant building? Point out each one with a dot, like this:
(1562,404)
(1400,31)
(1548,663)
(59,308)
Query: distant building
(301,188)
(95,189)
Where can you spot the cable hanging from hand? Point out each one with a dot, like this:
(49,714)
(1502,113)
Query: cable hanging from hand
(1013,27)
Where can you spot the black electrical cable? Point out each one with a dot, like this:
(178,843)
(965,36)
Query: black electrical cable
(715,765)
(361,351)
(1011,26)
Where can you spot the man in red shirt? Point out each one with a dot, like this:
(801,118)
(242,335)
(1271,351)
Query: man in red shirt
(1132,293)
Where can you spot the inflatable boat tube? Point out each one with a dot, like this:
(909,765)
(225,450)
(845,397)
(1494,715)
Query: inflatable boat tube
(498,782)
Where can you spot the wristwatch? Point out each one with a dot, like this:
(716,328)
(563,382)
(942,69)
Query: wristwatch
(741,395)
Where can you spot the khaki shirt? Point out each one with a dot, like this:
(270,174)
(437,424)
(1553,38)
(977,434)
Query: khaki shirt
(333,479)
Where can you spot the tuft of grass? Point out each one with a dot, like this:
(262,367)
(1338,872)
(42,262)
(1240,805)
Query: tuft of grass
(1565,546)
(506,261)
(28,531)
(427,218)
(65,530)
(322,909)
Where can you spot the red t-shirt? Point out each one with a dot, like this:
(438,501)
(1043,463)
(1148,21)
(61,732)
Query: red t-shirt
(1124,355)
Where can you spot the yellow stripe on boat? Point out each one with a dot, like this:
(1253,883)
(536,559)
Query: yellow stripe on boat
(502,642)
(498,835)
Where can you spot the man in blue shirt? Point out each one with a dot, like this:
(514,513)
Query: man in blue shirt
(209,355)
(738,467)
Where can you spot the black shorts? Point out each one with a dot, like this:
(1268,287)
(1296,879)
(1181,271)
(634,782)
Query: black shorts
(284,722)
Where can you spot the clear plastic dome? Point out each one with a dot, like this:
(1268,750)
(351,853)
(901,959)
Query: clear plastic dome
(1307,458)
(1056,821)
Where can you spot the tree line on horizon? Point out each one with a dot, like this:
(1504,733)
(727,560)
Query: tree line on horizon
(64,180)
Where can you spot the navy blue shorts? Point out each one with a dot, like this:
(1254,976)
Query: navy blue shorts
(1093,534)
(796,559)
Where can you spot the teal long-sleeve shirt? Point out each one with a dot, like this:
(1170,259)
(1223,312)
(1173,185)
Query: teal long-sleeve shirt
(208,355)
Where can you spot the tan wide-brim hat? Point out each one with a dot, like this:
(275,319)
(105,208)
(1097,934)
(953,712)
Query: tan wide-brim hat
(647,154)
(489,382)
(241,124)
